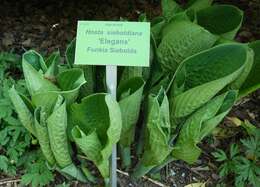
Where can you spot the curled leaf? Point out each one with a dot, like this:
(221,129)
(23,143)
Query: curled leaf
(202,76)
(157,135)
(130,97)
(35,60)
(200,124)
(252,82)
(43,135)
(34,78)
(24,114)
(223,20)
(57,124)
(98,120)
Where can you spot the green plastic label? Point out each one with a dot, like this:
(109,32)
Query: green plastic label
(113,43)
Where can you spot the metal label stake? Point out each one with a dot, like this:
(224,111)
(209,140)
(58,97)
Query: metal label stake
(111,81)
(112,44)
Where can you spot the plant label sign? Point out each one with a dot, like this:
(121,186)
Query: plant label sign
(113,43)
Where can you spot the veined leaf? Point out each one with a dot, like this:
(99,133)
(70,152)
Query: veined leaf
(130,97)
(203,75)
(42,135)
(24,114)
(157,135)
(223,20)
(57,124)
(252,82)
(130,107)
(180,40)
(98,116)
(200,124)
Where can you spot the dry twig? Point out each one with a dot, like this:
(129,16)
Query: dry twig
(146,178)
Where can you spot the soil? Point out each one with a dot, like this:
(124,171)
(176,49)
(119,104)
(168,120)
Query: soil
(50,25)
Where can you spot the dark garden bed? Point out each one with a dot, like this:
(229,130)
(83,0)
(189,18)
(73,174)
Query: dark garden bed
(48,25)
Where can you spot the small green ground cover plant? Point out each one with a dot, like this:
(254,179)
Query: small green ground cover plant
(197,73)
(17,154)
(242,162)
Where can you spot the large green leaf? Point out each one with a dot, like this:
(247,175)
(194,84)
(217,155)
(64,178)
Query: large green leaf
(23,111)
(157,135)
(57,124)
(203,75)
(98,118)
(130,97)
(35,80)
(223,20)
(43,135)
(252,82)
(200,124)
(180,40)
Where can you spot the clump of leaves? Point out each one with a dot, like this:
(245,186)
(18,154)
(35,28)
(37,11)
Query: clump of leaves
(242,162)
(197,74)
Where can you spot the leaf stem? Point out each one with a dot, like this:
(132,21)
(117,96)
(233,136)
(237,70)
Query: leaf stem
(126,157)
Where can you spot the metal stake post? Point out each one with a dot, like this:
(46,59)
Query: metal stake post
(111,81)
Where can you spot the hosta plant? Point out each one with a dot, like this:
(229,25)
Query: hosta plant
(196,75)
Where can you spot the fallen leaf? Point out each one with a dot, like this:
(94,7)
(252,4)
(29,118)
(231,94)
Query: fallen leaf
(196,185)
